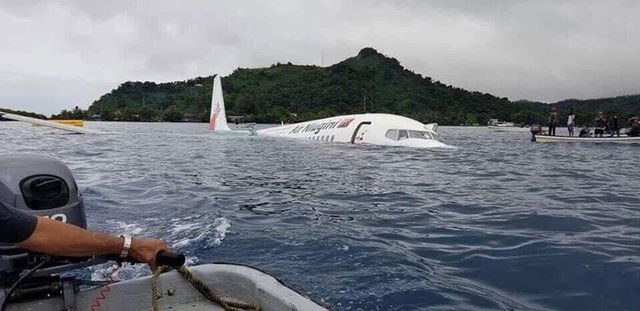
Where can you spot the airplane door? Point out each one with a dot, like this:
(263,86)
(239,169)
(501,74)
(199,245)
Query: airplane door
(360,132)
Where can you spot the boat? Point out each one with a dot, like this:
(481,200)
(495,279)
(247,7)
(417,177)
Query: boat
(503,126)
(74,122)
(235,282)
(78,123)
(623,139)
(35,282)
(509,128)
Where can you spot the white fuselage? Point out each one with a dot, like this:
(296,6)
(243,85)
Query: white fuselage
(368,128)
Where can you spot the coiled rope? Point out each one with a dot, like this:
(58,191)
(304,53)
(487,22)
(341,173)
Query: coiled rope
(226,303)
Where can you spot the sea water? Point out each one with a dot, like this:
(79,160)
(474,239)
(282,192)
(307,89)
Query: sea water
(498,223)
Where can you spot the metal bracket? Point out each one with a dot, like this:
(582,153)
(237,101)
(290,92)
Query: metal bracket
(68,294)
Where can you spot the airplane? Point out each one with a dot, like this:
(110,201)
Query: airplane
(361,129)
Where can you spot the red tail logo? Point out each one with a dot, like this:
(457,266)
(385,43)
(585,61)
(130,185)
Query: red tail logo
(214,116)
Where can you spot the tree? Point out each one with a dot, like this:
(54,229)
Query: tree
(274,93)
(172,114)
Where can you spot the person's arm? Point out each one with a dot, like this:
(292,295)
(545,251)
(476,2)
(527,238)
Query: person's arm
(61,239)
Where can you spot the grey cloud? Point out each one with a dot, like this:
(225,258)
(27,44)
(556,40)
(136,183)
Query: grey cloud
(540,50)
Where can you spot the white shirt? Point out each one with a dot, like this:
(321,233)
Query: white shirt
(571,119)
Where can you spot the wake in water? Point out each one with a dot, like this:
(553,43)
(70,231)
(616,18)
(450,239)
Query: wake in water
(185,234)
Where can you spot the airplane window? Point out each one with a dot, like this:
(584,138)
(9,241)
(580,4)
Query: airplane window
(402,134)
(417,134)
(391,134)
(332,137)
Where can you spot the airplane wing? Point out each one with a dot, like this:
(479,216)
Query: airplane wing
(69,128)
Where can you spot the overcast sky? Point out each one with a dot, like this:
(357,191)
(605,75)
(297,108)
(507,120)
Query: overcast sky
(59,54)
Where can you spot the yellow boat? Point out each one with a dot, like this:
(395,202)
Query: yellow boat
(79,123)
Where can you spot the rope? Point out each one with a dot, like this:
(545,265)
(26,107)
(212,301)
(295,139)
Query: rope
(226,303)
(155,293)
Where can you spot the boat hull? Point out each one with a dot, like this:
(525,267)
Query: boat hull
(575,139)
(509,128)
(235,281)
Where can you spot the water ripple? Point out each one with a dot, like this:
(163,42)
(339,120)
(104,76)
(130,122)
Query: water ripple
(498,223)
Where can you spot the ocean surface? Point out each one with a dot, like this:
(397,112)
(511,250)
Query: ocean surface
(498,223)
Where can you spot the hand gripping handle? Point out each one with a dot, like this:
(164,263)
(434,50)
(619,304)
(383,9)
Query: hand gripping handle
(164,258)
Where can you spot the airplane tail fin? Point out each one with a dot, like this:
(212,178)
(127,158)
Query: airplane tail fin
(218,117)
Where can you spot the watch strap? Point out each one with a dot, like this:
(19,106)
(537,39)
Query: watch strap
(126,246)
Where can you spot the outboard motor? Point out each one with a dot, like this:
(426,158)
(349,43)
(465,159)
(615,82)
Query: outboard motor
(535,130)
(43,186)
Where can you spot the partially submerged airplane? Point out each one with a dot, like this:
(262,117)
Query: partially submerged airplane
(51,124)
(368,128)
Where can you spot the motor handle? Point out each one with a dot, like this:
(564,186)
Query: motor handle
(163,258)
(171,259)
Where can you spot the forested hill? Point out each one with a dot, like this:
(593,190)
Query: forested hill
(21,113)
(296,93)
(287,92)
(624,106)
(586,110)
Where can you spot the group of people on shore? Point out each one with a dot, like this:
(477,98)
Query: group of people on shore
(601,123)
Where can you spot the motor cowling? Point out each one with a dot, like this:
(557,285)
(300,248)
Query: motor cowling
(39,185)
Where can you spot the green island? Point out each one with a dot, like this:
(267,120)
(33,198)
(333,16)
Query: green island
(368,81)
(22,113)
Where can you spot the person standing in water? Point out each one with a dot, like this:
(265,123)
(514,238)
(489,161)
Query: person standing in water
(553,121)
(571,121)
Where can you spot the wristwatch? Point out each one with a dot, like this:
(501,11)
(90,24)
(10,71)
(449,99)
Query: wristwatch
(126,246)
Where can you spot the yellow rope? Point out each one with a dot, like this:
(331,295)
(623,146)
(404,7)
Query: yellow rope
(155,294)
(227,304)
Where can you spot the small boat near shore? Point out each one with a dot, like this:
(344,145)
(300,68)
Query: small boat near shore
(503,126)
(624,139)
(508,128)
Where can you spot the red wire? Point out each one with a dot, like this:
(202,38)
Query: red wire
(102,294)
